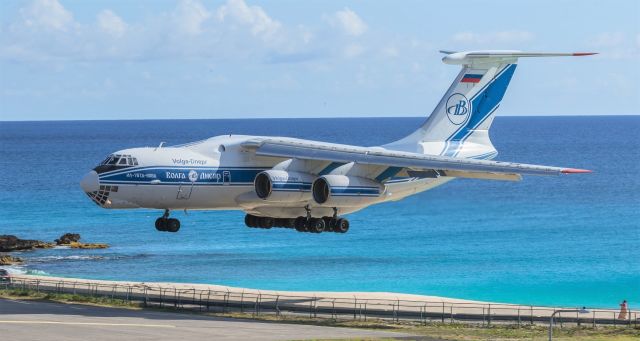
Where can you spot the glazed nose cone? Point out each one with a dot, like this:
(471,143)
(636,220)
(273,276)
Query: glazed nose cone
(89,182)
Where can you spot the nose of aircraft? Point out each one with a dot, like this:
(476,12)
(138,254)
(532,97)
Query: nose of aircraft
(89,182)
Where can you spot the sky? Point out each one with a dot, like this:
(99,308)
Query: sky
(160,59)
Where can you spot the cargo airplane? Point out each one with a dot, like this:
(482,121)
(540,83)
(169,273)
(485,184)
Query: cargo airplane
(308,185)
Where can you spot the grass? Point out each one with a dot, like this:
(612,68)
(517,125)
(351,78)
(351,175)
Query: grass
(446,331)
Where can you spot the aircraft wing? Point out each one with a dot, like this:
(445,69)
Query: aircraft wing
(447,166)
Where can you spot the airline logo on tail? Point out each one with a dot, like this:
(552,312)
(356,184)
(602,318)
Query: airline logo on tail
(458,109)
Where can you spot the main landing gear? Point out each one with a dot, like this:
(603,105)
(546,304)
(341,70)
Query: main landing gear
(301,224)
(166,224)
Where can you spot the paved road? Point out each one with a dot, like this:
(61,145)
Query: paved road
(34,320)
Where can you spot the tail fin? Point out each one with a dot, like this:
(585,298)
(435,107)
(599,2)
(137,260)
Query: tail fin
(459,125)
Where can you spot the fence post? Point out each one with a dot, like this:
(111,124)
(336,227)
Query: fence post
(145,295)
(484,316)
(277,307)
(489,317)
(365,311)
(208,298)
(226,301)
(442,312)
(333,309)
(593,324)
(242,301)
(518,316)
(578,318)
(315,306)
(355,306)
(531,315)
(175,298)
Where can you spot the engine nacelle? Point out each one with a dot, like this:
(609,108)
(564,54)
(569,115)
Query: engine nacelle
(283,186)
(342,190)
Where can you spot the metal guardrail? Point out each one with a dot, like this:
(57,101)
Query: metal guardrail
(257,303)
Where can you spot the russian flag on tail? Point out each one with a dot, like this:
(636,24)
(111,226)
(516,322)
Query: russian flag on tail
(471,78)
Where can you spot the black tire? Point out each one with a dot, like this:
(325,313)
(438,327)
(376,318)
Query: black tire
(327,224)
(342,226)
(300,224)
(248,220)
(265,222)
(316,225)
(289,223)
(173,225)
(161,224)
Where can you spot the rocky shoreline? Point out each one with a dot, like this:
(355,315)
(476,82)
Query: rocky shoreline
(11,243)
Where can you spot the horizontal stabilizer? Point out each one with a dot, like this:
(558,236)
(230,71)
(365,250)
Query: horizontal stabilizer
(507,56)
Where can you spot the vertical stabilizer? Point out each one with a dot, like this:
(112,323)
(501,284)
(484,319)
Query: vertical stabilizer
(459,125)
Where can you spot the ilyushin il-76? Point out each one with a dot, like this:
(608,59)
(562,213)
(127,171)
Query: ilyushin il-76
(309,186)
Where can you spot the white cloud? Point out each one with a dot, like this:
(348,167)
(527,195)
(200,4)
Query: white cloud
(608,39)
(46,14)
(189,16)
(501,37)
(353,50)
(349,22)
(615,45)
(254,17)
(390,52)
(44,30)
(111,23)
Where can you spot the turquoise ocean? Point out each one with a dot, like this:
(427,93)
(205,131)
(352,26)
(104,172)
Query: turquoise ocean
(568,240)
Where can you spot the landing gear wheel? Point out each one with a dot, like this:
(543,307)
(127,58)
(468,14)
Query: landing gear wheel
(289,223)
(265,222)
(342,226)
(316,225)
(173,225)
(251,220)
(328,226)
(300,224)
(161,224)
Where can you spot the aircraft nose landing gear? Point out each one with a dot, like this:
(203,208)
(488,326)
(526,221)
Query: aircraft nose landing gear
(166,224)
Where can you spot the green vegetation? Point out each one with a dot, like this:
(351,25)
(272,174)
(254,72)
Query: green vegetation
(66,298)
(437,331)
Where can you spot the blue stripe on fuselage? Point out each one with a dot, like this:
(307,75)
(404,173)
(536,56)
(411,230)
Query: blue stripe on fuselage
(180,175)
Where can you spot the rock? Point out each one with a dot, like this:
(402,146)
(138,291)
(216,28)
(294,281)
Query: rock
(68,238)
(9,260)
(12,243)
(77,245)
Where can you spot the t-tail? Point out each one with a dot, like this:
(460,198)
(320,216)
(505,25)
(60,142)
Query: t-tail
(459,125)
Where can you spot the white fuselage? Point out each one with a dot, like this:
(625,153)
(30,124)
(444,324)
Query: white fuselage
(218,174)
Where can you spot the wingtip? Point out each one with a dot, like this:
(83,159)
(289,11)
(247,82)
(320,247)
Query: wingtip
(580,54)
(574,171)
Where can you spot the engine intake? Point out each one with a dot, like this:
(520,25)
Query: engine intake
(342,190)
(283,186)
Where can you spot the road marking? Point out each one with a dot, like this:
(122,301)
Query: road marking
(92,324)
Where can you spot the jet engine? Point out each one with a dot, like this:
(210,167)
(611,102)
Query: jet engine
(283,186)
(342,190)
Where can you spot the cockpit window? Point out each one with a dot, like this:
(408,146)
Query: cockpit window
(116,161)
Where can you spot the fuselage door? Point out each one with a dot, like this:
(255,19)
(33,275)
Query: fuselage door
(226,177)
